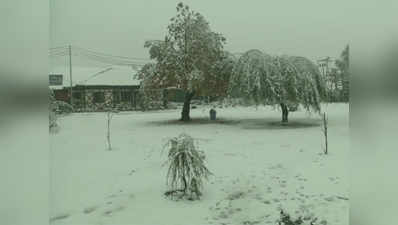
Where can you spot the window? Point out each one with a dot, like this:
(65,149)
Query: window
(99,97)
(116,96)
(77,95)
(125,96)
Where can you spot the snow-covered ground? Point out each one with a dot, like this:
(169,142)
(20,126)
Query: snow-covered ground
(259,166)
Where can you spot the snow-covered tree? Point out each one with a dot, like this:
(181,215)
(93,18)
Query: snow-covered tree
(223,71)
(186,167)
(150,94)
(52,117)
(185,58)
(55,108)
(277,80)
(343,65)
(252,76)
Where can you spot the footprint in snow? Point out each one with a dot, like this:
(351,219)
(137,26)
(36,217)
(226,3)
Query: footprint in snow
(276,200)
(329,199)
(89,209)
(113,210)
(60,217)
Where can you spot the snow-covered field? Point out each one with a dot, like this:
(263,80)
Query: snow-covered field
(259,166)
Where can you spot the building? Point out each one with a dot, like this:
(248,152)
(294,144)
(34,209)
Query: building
(96,88)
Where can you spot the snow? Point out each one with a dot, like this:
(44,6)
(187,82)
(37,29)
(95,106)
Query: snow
(109,75)
(259,166)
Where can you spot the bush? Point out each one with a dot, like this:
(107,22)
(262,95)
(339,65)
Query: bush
(186,168)
(285,219)
(56,107)
(150,99)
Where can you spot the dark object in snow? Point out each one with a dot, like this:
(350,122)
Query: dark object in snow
(213,114)
(132,171)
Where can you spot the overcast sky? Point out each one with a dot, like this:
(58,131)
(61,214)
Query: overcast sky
(310,28)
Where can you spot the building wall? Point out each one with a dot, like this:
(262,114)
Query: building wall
(109,101)
(91,105)
(87,103)
(62,95)
(84,98)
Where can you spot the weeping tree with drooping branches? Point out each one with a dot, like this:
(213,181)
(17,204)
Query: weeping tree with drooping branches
(187,169)
(251,75)
(277,80)
(186,57)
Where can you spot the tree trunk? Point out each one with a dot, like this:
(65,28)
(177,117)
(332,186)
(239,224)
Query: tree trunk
(165,98)
(285,112)
(187,106)
(108,134)
(185,184)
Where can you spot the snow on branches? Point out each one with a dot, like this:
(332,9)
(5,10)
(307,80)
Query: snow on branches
(272,80)
(187,169)
(185,57)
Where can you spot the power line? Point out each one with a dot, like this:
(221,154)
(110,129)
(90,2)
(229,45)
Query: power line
(108,60)
(99,57)
(57,51)
(109,55)
(59,55)
(60,47)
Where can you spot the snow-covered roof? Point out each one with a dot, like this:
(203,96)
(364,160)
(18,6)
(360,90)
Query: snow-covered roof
(91,76)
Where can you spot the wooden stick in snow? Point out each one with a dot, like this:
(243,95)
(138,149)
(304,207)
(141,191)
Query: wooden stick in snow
(325,132)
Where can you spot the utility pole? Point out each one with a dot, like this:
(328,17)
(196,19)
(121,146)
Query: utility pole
(70,74)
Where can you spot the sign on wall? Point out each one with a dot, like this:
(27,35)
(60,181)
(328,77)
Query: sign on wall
(55,79)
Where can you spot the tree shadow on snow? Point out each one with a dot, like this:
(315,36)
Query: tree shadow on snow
(194,121)
(257,123)
(273,124)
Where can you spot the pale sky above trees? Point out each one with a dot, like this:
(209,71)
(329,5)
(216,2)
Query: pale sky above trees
(310,28)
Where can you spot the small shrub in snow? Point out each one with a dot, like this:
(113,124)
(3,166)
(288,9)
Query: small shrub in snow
(286,219)
(187,168)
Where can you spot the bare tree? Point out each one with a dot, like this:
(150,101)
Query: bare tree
(325,132)
(109,116)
